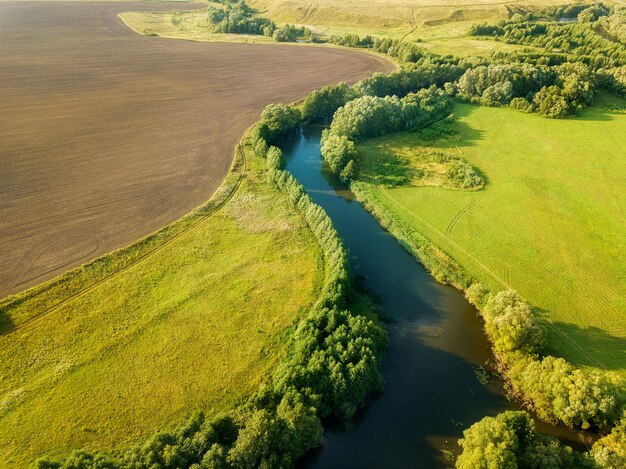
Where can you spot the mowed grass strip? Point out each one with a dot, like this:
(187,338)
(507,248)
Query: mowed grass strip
(196,325)
(550,222)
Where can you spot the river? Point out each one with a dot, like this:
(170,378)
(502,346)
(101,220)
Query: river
(436,343)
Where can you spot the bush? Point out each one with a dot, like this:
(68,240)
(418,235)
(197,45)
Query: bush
(477,294)
(463,176)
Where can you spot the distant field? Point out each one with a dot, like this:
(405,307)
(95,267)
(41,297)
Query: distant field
(550,223)
(442,25)
(106,135)
(195,325)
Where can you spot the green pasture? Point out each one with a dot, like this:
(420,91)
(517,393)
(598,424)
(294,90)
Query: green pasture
(549,223)
(193,318)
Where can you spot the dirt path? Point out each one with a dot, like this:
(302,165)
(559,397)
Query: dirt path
(106,136)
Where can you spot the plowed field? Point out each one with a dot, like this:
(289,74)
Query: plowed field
(106,135)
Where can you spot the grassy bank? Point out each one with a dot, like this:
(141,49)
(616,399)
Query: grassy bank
(192,317)
(549,222)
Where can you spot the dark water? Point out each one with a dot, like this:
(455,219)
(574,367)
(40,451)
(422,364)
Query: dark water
(436,341)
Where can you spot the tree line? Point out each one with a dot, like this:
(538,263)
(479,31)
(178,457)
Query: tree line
(550,91)
(372,116)
(591,36)
(556,390)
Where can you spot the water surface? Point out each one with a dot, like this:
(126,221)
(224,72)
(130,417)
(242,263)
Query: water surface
(436,342)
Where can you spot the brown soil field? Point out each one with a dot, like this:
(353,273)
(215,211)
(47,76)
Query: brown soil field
(106,136)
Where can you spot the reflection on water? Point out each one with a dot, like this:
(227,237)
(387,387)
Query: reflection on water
(436,342)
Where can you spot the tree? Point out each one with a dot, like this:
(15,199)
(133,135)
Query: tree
(322,104)
(337,151)
(549,102)
(277,121)
(610,451)
(511,324)
(495,442)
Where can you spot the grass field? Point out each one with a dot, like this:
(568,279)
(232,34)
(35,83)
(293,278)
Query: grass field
(549,223)
(196,322)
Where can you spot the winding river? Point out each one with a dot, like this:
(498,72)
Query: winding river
(436,342)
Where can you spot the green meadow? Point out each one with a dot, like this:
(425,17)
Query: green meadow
(192,318)
(549,223)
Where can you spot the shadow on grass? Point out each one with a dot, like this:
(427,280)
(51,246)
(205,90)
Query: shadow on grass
(597,344)
(6,323)
(595,114)
(394,170)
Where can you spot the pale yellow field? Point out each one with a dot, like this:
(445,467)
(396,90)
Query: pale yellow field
(415,18)
(440,26)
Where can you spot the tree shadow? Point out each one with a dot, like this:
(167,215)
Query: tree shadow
(391,171)
(6,323)
(394,170)
(607,107)
(599,348)
(595,114)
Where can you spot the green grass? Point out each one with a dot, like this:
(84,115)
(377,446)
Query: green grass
(193,318)
(549,223)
